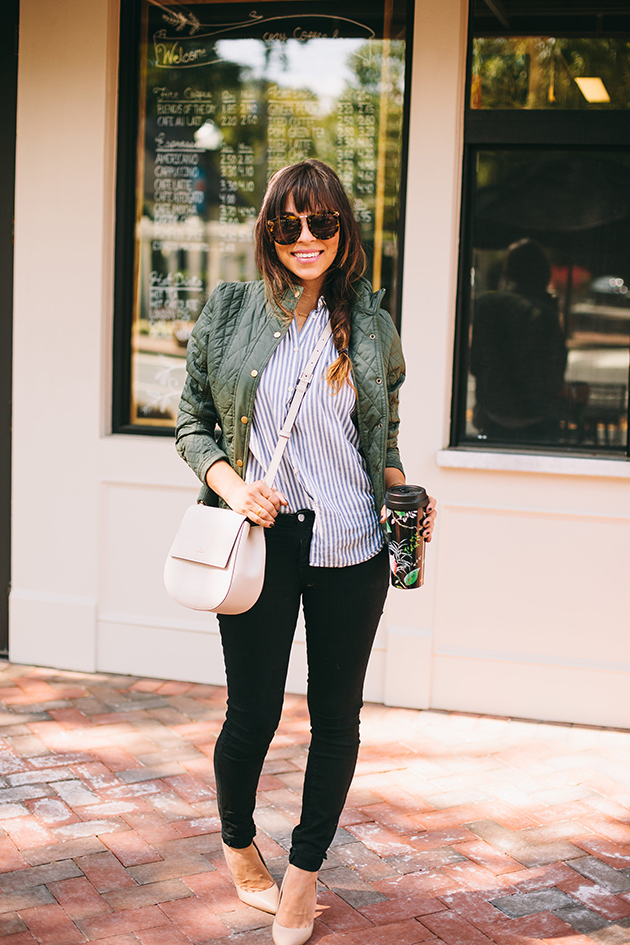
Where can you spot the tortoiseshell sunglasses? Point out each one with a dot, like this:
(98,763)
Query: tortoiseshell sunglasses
(287,229)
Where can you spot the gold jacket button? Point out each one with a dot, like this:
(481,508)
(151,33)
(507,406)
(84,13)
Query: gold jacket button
(243,419)
(277,334)
(254,373)
(239,462)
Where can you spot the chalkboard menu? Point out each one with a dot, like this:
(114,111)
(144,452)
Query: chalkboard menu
(227,94)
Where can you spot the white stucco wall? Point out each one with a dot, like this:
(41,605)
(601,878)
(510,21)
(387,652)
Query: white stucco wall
(524,608)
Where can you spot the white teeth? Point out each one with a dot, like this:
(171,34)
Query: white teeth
(305,255)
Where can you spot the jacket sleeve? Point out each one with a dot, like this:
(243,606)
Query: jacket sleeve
(198,418)
(395,367)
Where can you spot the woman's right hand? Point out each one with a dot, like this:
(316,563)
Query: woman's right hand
(257,501)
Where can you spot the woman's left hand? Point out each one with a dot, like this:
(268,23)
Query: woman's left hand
(429,519)
(428,522)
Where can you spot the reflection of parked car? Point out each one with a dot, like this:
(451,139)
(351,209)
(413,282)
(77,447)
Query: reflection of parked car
(606,312)
(610,285)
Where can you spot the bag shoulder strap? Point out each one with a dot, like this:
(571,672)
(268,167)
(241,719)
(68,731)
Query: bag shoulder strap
(302,385)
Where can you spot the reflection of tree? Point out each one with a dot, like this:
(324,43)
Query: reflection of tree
(379,74)
(366,63)
(539,72)
(501,65)
(388,97)
(275,51)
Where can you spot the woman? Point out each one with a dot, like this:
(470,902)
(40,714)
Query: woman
(324,541)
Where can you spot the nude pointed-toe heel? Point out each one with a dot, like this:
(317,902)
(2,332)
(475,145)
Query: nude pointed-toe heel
(282,936)
(264,899)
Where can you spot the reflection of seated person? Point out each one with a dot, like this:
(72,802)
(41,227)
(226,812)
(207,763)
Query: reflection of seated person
(518,354)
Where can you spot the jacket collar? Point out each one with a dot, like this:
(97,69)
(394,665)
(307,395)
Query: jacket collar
(365,298)
(289,301)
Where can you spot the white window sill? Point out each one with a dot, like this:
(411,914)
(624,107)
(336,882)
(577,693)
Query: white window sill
(527,462)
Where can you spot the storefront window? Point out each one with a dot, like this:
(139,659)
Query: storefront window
(226,96)
(543,355)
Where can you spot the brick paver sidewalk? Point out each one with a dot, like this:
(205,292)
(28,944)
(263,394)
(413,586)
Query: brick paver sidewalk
(459,829)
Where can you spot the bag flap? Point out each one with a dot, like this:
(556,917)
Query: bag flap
(207,535)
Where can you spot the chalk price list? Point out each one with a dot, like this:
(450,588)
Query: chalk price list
(357,145)
(178,200)
(236,164)
(294,126)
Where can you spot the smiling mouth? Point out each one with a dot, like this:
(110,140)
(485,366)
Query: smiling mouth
(308,255)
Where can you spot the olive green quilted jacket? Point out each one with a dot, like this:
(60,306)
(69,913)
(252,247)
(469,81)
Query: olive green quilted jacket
(235,336)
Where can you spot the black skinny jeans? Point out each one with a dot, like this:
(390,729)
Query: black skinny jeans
(342,608)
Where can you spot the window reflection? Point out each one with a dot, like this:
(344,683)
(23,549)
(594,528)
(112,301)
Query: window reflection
(550,299)
(545,72)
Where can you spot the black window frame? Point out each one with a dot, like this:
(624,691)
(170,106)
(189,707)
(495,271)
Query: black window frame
(521,129)
(8,120)
(125,209)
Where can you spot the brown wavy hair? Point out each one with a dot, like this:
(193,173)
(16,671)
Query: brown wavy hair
(314,187)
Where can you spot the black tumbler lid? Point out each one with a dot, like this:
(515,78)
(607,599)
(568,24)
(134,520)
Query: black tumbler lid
(403,498)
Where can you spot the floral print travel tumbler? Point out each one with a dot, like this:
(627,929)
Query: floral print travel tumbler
(405,513)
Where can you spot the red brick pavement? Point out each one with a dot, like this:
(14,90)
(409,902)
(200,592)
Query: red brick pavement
(459,830)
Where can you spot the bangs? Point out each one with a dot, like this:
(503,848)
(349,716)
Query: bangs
(310,190)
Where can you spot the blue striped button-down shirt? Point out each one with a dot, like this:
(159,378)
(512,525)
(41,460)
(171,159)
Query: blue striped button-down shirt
(322,467)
